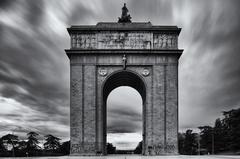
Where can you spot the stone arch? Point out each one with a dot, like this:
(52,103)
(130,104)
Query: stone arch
(156,63)
(124,78)
(117,79)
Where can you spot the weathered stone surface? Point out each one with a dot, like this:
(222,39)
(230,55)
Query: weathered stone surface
(76,114)
(171,109)
(84,41)
(124,40)
(158,109)
(89,85)
(124,36)
(97,67)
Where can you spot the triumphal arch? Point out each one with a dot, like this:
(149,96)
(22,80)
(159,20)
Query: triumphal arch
(109,55)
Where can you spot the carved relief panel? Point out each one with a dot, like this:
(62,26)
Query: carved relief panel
(83,41)
(124,40)
(165,41)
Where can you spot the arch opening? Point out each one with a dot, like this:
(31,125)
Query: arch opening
(123,80)
(124,120)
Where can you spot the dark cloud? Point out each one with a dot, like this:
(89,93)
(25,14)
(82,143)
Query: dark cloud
(5,4)
(124,121)
(127,113)
(29,68)
(120,126)
(80,14)
(34,12)
(13,116)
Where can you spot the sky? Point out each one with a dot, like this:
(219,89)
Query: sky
(34,70)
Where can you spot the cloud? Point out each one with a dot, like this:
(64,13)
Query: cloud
(5,4)
(157,12)
(18,118)
(35,11)
(206,87)
(124,111)
(30,75)
(124,141)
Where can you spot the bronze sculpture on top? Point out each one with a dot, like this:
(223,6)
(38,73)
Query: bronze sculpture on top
(125,18)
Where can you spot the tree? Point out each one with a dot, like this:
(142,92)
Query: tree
(190,143)
(20,150)
(224,136)
(138,149)
(181,138)
(52,143)
(11,140)
(206,135)
(2,147)
(65,148)
(111,149)
(22,145)
(232,127)
(219,136)
(32,143)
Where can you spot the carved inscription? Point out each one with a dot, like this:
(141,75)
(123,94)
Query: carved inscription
(124,40)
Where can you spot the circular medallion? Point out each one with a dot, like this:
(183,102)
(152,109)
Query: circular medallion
(145,72)
(102,72)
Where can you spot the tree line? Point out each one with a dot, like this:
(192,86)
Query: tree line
(11,145)
(222,138)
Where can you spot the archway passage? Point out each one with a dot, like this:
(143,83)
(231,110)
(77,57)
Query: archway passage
(124,121)
(117,79)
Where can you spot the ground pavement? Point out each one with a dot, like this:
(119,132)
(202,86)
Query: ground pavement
(133,157)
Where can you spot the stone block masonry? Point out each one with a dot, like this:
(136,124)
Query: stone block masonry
(97,67)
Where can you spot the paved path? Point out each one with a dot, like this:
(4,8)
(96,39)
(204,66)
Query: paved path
(128,157)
